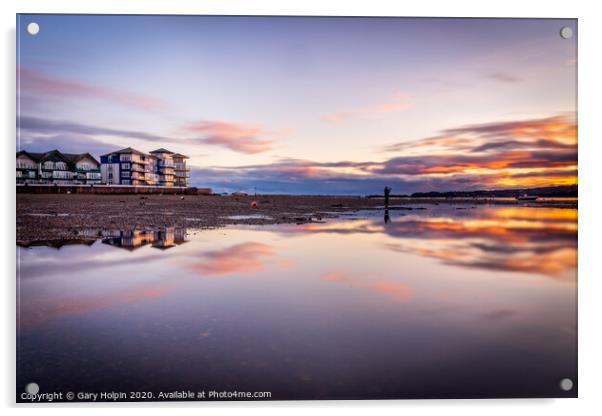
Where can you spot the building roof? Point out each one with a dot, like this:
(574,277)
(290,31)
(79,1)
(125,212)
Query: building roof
(126,150)
(74,157)
(69,158)
(179,156)
(33,156)
(163,150)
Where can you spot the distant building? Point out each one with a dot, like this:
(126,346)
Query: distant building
(164,166)
(132,167)
(124,167)
(55,167)
(181,171)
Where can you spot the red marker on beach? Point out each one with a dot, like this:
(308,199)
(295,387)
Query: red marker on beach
(254,204)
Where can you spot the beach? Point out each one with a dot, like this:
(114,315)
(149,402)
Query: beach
(78,216)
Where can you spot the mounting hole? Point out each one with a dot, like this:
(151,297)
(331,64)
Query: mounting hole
(33,28)
(32,388)
(566,32)
(566,384)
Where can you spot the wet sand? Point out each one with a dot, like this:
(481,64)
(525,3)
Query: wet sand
(76,216)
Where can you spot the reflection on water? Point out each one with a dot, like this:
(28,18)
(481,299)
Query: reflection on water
(158,238)
(441,302)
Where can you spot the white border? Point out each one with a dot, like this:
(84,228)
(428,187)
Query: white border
(590,279)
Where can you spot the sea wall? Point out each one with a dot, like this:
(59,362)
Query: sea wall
(110,189)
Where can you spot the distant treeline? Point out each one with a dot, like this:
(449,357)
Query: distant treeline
(568,191)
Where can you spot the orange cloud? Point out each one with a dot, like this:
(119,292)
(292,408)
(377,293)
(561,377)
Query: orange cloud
(243,138)
(524,153)
(398,103)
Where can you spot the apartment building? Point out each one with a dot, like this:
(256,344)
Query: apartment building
(164,166)
(129,166)
(181,171)
(55,167)
(124,167)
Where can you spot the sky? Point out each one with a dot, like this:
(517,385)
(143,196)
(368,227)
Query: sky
(309,105)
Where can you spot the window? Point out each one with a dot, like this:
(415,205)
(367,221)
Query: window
(125,174)
(48,165)
(25,164)
(125,166)
(85,166)
(125,157)
(57,174)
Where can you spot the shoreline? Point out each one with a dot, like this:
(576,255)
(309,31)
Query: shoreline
(56,217)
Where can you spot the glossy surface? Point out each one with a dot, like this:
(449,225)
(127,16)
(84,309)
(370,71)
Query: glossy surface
(447,301)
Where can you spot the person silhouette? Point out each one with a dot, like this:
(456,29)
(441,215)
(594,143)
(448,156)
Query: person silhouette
(387,192)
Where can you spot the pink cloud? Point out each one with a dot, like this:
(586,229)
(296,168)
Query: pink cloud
(241,258)
(39,83)
(243,138)
(400,102)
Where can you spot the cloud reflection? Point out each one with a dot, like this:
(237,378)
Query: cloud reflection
(511,239)
(39,310)
(396,291)
(241,258)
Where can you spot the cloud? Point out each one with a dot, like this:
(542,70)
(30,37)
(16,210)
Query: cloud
(41,125)
(237,137)
(558,131)
(398,103)
(40,84)
(553,128)
(509,154)
(512,154)
(446,164)
(67,143)
(242,138)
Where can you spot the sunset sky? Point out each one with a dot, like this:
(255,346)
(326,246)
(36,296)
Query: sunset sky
(309,105)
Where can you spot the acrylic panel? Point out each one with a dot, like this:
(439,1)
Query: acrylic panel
(295,208)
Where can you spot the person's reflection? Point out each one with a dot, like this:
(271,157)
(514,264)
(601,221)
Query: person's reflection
(387,192)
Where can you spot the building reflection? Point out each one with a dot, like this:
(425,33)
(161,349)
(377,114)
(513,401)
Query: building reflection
(158,238)
(161,238)
(58,244)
